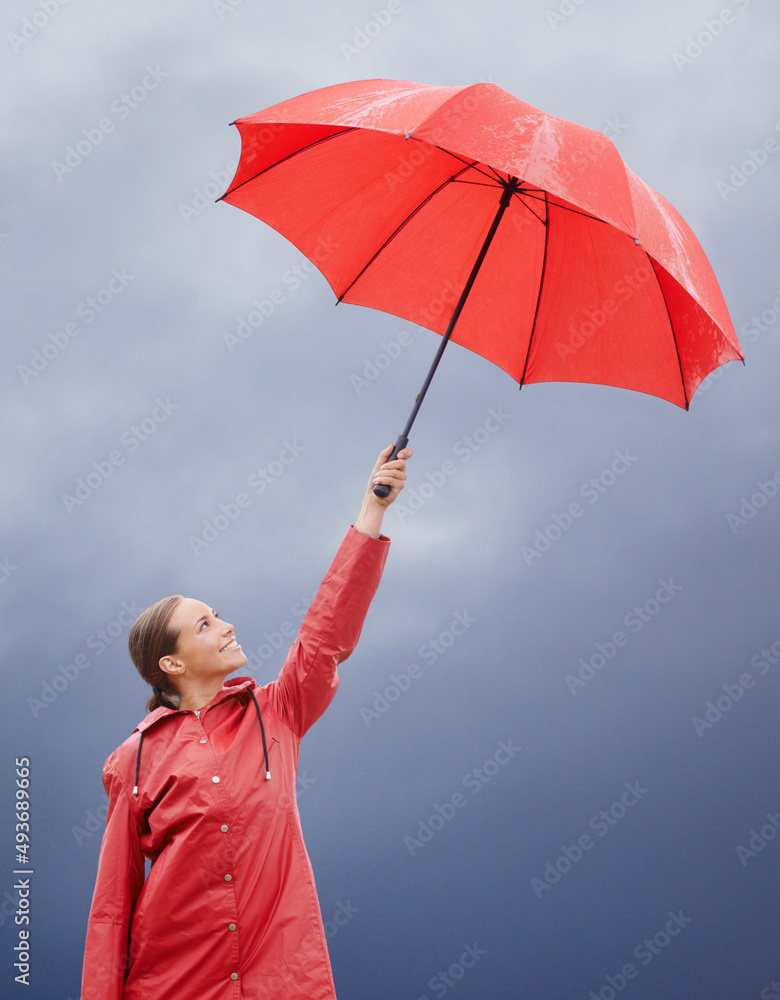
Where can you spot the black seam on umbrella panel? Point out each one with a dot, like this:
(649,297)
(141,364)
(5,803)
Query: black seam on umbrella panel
(671,327)
(393,235)
(541,286)
(284,159)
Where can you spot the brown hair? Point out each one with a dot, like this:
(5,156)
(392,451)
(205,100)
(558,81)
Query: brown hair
(150,639)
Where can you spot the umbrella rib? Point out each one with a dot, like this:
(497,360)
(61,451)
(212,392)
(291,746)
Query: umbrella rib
(566,208)
(478,183)
(284,159)
(528,207)
(473,164)
(395,232)
(546,223)
(671,327)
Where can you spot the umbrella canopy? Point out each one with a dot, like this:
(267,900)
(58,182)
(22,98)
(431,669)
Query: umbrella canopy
(406,196)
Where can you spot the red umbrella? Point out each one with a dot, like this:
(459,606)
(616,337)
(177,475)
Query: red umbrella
(522,236)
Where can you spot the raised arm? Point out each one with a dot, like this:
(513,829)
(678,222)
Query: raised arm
(332,626)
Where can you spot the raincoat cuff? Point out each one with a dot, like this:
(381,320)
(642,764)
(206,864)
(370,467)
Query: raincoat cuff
(377,538)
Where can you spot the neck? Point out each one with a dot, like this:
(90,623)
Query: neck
(196,695)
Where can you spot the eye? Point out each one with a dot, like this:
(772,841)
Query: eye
(205,623)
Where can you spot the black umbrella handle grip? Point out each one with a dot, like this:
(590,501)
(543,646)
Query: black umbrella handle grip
(381,489)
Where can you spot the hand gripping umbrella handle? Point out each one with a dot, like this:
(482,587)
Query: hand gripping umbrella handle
(381,489)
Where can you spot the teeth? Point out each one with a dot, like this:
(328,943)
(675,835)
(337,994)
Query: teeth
(231,645)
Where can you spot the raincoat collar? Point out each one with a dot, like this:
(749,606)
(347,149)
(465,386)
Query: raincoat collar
(231,687)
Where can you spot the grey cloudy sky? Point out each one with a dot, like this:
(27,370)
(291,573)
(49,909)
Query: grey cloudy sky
(590,815)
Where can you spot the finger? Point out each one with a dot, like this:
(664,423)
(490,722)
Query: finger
(397,463)
(389,477)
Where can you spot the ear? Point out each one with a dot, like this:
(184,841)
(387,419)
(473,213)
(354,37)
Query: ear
(169,665)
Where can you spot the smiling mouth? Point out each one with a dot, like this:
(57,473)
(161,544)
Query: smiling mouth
(233,644)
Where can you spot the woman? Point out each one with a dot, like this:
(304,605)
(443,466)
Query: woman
(205,788)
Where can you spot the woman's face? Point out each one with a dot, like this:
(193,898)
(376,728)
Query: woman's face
(206,647)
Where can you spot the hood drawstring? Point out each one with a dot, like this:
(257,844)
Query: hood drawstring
(138,762)
(262,734)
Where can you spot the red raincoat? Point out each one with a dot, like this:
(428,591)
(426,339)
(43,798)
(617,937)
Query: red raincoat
(229,909)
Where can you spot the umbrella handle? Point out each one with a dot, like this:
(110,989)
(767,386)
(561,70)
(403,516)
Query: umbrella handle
(382,489)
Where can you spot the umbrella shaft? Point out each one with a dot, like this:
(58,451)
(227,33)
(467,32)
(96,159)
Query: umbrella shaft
(509,188)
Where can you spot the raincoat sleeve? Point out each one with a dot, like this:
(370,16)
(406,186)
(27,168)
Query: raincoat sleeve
(329,632)
(120,878)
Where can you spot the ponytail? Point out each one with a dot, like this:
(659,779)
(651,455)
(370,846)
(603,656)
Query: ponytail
(160,699)
(150,639)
